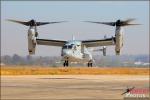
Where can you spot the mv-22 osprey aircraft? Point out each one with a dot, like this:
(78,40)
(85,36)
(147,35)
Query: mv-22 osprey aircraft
(74,50)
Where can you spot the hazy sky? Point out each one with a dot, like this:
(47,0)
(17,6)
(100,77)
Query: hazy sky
(14,36)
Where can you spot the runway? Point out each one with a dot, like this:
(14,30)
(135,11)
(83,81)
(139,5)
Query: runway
(69,87)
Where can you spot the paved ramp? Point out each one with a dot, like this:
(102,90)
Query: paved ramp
(69,87)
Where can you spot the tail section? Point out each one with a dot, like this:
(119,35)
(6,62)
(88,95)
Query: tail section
(73,37)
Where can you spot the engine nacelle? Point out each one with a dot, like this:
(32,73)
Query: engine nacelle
(118,39)
(31,41)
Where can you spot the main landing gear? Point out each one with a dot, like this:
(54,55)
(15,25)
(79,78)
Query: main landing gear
(90,64)
(66,63)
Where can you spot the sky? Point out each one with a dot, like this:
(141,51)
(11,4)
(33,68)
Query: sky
(14,36)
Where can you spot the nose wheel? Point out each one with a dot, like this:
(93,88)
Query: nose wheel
(90,64)
(66,63)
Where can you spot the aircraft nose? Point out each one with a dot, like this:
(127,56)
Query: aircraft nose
(66,52)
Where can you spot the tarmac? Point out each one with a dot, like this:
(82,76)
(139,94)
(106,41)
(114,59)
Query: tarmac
(69,87)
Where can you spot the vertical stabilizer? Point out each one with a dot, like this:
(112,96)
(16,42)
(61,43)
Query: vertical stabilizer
(73,37)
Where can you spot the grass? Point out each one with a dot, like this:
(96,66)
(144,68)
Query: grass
(37,70)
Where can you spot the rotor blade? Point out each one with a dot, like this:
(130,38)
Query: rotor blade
(130,24)
(129,20)
(44,23)
(41,23)
(20,22)
(106,23)
(57,22)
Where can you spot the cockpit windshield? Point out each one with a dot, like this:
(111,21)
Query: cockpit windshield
(67,46)
(64,47)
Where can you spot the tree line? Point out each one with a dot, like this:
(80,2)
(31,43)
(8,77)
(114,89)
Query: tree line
(109,61)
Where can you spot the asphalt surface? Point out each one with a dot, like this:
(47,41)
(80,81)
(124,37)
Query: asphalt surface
(69,87)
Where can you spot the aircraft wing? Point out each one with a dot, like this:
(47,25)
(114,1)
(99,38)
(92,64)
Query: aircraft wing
(102,42)
(50,42)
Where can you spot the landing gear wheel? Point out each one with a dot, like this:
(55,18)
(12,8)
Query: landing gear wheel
(90,64)
(66,63)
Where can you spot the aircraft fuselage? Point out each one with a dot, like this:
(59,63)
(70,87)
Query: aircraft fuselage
(74,51)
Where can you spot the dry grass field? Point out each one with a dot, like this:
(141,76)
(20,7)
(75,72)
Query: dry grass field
(37,70)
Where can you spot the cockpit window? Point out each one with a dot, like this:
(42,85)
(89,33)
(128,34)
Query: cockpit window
(67,46)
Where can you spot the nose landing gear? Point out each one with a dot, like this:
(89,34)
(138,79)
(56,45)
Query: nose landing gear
(66,63)
(90,63)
